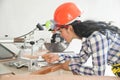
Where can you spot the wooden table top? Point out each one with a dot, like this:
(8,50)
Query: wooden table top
(56,77)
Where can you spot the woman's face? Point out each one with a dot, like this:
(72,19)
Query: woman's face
(67,34)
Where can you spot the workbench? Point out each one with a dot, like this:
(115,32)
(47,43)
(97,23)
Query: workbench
(56,77)
(23,74)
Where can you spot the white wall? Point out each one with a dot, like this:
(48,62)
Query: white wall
(18,17)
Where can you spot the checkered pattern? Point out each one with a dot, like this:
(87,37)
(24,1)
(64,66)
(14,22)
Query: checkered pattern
(104,49)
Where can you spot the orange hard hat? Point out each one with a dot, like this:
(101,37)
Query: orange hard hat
(66,13)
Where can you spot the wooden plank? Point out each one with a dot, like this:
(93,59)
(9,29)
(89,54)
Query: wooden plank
(56,77)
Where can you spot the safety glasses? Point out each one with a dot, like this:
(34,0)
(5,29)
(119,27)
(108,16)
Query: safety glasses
(58,27)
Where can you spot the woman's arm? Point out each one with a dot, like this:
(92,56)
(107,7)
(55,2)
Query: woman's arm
(97,47)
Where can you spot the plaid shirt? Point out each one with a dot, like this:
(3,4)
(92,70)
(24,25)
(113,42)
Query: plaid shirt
(104,49)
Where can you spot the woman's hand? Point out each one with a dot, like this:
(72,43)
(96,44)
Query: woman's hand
(65,65)
(50,57)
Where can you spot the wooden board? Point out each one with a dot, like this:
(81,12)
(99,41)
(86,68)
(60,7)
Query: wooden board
(47,69)
(56,77)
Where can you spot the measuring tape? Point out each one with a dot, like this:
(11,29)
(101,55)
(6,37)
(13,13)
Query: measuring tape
(116,69)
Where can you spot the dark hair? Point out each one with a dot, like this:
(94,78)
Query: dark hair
(86,28)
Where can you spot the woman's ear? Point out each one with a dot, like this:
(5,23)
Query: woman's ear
(70,28)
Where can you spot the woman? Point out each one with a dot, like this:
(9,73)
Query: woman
(102,43)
